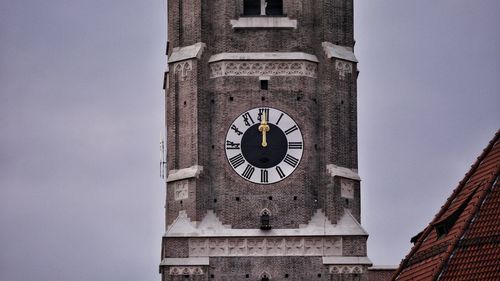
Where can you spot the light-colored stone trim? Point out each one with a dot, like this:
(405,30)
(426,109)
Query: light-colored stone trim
(187,173)
(185,261)
(270,246)
(337,171)
(263,68)
(182,68)
(264,56)
(181,191)
(344,68)
(186,270)
(187,52)
(346,188)
(264,22)
(211,226)
(346,269)
(337,51)
(347,260)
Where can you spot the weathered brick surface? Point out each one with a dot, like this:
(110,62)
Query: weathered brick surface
(380,274)
(200,109)
(176,248)
(354,246)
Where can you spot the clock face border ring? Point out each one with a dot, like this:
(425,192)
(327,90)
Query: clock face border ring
(276,119)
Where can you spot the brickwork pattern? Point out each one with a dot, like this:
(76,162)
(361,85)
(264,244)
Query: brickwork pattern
(200,108)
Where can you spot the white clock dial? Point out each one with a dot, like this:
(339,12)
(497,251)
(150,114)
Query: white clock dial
(264,145)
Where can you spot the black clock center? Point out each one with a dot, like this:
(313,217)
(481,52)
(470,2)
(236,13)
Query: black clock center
(264,156)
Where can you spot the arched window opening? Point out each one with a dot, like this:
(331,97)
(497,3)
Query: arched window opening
(265,219)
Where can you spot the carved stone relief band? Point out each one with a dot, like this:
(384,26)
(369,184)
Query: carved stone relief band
(263,64)
(186,270)
(346,269)
(272,246)
(181,69)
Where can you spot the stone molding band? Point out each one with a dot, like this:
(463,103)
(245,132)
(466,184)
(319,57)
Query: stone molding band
(263,68)
(273,246)
(263,64)
(186,270)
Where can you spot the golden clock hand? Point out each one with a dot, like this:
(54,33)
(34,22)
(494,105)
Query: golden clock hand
(264,128)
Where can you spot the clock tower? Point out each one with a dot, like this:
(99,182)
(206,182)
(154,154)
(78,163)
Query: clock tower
(261,117)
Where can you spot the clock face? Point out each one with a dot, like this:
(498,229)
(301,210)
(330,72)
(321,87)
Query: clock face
(264,145)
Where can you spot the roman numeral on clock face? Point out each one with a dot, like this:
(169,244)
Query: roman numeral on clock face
(247,118)
(290,160)
(294,145)
(280,172)
(232,145)
(248,171)
(264,176)
(237,160)
(263,111)
(292,129)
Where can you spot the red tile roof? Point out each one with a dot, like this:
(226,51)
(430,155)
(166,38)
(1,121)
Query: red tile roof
(462,242)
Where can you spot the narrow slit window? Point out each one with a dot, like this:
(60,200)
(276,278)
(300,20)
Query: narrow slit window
(264,84)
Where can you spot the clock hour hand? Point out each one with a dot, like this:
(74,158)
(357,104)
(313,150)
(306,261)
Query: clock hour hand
(264,128)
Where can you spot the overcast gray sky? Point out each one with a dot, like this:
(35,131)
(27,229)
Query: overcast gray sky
(81,110)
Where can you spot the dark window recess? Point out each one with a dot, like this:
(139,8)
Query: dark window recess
(251,7)
(165,80)
(265,221)
(444,226)
(274,7)
(264,84)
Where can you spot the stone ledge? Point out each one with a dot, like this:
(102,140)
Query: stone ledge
(337,171)
(211,226)
(264,22)
(185,261)
(187,52)
(264,56)
(187,173)
(347,260)
(337,51)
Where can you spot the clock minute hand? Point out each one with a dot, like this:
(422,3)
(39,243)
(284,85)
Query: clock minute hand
(264,128)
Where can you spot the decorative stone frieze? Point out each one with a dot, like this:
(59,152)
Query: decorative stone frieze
(344,68)
(182,68)
(181,190)
(272,246)
(186,270)
(263,68)
(346,269)
(346,188)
